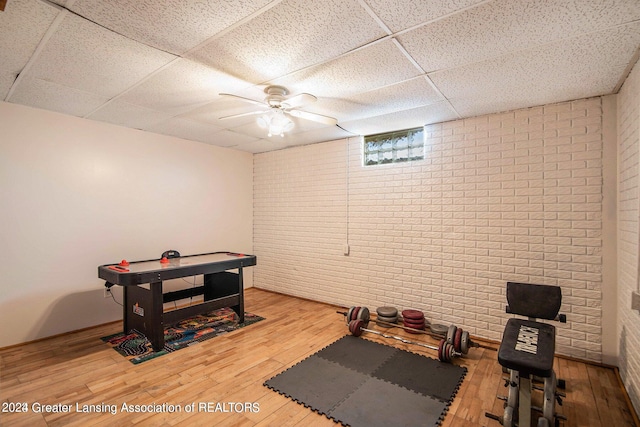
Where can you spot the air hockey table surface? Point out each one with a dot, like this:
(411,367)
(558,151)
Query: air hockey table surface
(150,271)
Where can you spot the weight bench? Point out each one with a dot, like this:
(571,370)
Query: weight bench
(527,351)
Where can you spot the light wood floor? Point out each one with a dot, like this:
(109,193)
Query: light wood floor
(78,368)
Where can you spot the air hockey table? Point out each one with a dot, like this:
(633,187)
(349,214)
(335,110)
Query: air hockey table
(144,299)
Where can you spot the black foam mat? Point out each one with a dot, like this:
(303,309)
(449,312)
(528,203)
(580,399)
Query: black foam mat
(357,382)
(379,403)
(429,377)
(317,382)
(358,354)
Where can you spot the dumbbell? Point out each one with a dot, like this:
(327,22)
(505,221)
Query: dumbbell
(446,352)
(358,313)
(459,338)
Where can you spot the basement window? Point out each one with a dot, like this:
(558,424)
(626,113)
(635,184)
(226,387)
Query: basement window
(394,147)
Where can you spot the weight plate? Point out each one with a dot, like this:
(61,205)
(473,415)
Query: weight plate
(445,351)
(451,333)
(413,322)
(354,313)
(363,315)
(464,342)
(417,327)
(438,329)
(387,311)
(383,325)
(355,327)
(349,314)
(412,314)
(414,326)
(393,319)
(449,352)
(456,339)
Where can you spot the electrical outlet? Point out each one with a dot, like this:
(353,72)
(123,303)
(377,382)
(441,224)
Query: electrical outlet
(107,292)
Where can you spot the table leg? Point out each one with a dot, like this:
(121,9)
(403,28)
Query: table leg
(143,312)
(240,307)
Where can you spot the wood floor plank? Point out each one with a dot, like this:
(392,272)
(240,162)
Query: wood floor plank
(78,368)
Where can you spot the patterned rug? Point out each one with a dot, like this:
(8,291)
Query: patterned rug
(137,348)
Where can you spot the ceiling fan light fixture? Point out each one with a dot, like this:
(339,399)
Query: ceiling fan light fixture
(276,119)
(276,123)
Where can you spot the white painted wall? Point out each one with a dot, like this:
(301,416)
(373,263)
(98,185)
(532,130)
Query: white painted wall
(76,194)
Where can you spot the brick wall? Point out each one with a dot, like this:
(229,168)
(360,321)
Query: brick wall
(515,196)
(629,320)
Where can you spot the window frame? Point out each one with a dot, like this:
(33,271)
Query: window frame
(391,145)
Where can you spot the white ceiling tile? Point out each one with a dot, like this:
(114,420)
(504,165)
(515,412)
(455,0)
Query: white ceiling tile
(480,105)
(416,117)
(401,14)
(503,26)
(228,138)
(182,86)
(222,107)
(263,145)
(324,134)
(199,131)
(185,128)
(52,96)
(401,96)
(173,26)
(484,56)
(380,64)
(290,36)
(584,66)
(122,113)
(22,25)
(327,133)
(62,2)
(90,58)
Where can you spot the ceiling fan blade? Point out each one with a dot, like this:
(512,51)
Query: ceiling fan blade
(313,117)
(242,98)
(252,113)
(300,100)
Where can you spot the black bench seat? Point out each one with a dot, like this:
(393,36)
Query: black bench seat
(528,347)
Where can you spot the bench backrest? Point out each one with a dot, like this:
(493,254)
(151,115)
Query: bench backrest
(534,301)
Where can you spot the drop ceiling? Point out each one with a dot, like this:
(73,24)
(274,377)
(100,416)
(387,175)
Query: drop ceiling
(374,65)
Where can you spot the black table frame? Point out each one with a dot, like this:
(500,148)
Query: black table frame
(143,307)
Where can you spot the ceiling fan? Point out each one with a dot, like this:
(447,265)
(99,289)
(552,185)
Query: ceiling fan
(277,106)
